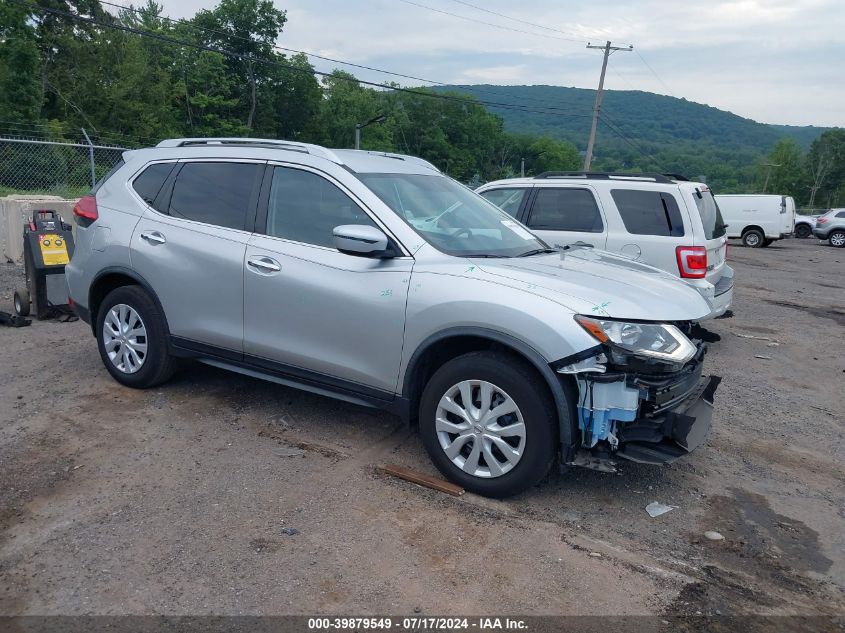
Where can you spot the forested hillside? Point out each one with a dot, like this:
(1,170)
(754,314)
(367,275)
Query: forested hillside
(642,130)
(641,115)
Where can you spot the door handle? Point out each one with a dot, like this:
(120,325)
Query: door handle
(153,237)
(264,264)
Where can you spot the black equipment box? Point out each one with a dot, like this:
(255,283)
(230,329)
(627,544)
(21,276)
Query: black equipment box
(47,248)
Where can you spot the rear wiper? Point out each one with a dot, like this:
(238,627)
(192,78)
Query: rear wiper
(538,251)
(485,256)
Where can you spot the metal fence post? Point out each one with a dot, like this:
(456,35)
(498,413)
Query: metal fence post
(90,158)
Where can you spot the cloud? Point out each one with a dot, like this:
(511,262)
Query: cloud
(776,61)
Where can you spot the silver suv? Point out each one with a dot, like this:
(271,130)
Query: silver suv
(375,279)
(662,220)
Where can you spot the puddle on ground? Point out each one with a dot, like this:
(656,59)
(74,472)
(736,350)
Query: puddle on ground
(765,557)
(834,313)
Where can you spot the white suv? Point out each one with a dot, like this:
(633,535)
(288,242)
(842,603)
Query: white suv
(664,221)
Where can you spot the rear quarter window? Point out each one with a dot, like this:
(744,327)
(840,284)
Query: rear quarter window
(508,200)
(149,183)
(649,212)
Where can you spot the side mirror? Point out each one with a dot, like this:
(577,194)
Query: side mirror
(361,239)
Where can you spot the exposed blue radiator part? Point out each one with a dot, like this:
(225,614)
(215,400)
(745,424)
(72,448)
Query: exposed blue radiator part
(600,405)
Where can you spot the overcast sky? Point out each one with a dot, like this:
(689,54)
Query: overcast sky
(775,61)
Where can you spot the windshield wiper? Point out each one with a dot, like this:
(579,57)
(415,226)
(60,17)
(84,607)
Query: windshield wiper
(538,251)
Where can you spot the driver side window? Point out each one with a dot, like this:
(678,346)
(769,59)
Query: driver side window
(305,207)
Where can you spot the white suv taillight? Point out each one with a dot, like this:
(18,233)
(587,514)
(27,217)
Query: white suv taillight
(692,261)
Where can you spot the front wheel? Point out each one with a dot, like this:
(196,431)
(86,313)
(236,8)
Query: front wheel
(752,238)
(837,238)
(489,423)
(132,338)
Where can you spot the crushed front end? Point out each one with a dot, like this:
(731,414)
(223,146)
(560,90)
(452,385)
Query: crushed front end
(641,394)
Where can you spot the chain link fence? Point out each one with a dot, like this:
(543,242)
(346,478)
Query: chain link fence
(66,169)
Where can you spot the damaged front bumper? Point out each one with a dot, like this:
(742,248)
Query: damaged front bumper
(635,414)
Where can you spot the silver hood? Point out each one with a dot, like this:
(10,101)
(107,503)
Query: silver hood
(595,282)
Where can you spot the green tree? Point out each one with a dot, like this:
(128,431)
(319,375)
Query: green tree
(783,171)
(826,168)
(21,92)
(548,154)
(346,103)
(249,29)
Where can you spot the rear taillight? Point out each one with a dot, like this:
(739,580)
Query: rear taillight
(85,211)
(692,261)
(821,220)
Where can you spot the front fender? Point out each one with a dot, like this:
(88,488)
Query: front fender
(438,302)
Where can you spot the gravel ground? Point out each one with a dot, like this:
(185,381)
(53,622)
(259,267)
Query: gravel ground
(220,494)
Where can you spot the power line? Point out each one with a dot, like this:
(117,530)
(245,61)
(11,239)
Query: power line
(225,52)
(65,130)
(615,128)
(526,22)
(274,46)
(653,72)
(190,24)
(495,26)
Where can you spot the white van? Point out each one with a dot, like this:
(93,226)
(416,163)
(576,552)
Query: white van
(661,220)
(758,219)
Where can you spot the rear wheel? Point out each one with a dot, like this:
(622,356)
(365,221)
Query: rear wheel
(753,238)
(837,238)
(802,230)
(132,338)
(489,424)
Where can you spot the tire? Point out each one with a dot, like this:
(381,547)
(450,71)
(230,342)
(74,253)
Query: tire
(837,239)
(753,238)
(151,363)
(802,230)
(510,378)
(22,302)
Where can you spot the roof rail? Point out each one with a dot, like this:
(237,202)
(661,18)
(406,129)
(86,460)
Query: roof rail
(677,177)
(604,175)
(293,146)
(406,157)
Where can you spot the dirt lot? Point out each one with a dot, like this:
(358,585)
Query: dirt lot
(184,499)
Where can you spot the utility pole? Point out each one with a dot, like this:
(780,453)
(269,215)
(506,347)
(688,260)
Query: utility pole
(608,50)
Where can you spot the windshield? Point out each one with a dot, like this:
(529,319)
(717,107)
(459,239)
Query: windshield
(711,217)
(452,218)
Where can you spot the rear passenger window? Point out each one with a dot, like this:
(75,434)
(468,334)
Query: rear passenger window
(508,200)
(841,214)
(151,180)
(565,209)
(649,212)
(214,193)
(305,207)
